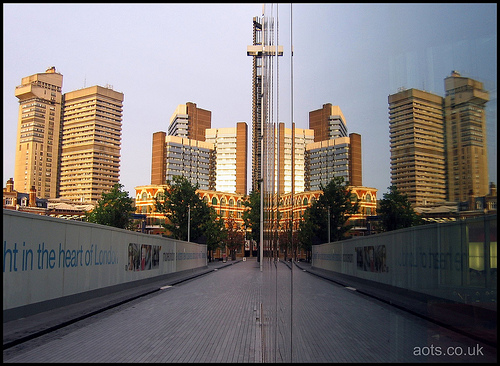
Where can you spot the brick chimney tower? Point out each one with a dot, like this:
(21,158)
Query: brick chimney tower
(32,198)
(10,185)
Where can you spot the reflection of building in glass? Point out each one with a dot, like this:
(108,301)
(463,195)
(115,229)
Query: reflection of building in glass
(465,131)
(438,145)
(453,211)
(431,271)
(417,146)
(291,154)
(230,146)
(300,201)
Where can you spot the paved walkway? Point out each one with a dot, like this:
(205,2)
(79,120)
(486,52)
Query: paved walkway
(23,329)
(240,314)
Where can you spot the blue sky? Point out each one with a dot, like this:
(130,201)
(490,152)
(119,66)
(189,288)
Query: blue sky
(163,55)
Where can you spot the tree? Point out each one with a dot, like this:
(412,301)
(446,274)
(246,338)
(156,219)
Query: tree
(215,232)
(251,216)
(113,209)
(184,210)
(235,237)
(395,211)
(335,203)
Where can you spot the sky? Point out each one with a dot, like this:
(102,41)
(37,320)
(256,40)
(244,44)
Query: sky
(163,55)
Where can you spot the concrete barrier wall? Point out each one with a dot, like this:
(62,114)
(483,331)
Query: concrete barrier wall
(46,258)
(456,261)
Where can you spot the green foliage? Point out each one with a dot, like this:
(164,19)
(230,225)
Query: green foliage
(215,231)
(395,211)
(336,203)
(251,216)
(113,209)
(182,205)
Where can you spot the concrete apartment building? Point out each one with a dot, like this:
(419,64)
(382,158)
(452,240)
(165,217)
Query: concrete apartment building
(91,143)
(327,123)
(465,131)
(184,150)
(174,155)
(37,142)
(417,146)
(217,163)
(326,160)
(230,145)
(190,122)
(213,158)
(68,145)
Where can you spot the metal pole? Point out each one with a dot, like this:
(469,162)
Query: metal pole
(261,249)
(328,223)
(189,222)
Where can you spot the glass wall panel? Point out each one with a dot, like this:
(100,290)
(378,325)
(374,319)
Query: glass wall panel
(455,261)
